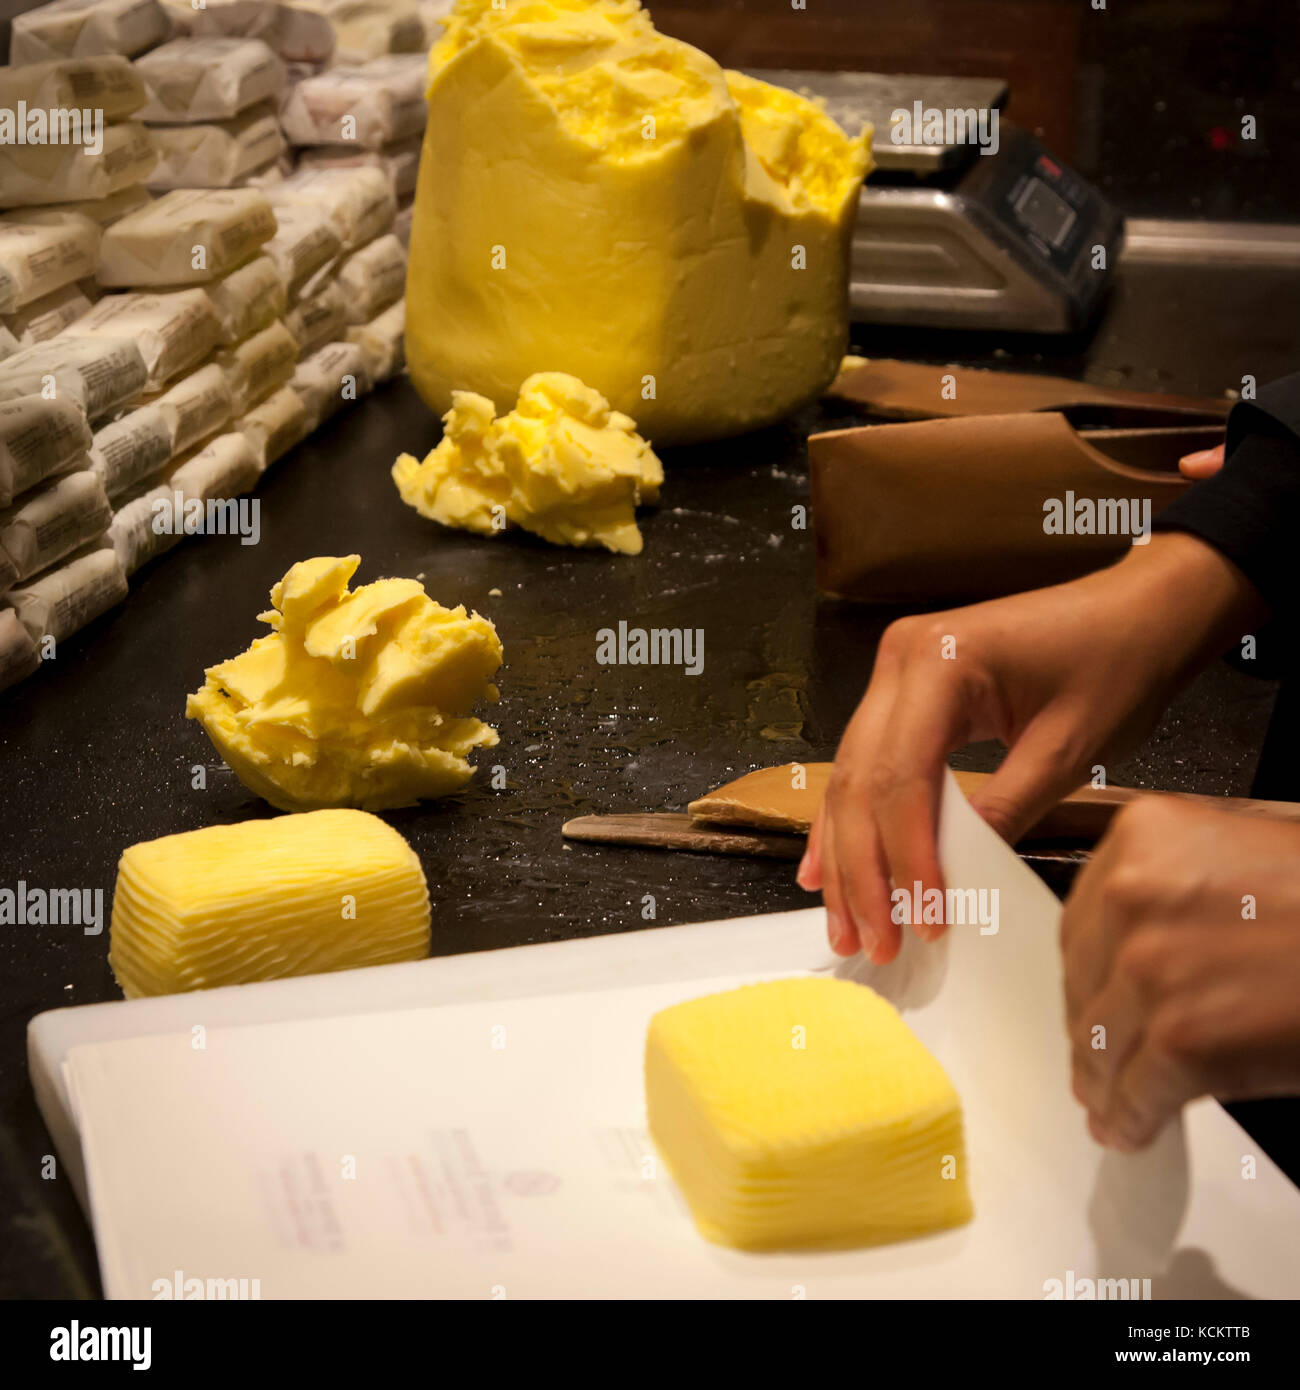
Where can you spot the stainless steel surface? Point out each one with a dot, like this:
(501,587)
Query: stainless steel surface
(856,99)
(1166,241)
(920,259)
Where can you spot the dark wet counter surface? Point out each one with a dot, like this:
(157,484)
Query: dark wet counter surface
(97,753)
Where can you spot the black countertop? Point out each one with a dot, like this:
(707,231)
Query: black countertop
(97,753)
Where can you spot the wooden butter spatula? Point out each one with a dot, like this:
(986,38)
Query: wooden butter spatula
(769,812)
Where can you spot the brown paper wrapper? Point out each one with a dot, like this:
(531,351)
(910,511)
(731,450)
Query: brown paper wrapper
(946,510)
(914,391)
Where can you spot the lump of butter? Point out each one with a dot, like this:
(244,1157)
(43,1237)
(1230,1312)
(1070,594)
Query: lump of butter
(294,895)
(804,1113)
(561,464)
(597,198)
(357,698)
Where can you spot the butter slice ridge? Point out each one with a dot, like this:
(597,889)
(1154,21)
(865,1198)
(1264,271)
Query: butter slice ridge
(264,899)
(803,1114)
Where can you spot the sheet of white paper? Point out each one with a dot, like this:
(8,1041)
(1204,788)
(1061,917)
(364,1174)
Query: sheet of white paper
(498,1148)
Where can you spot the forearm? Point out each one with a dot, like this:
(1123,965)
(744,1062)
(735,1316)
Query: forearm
(1184,600)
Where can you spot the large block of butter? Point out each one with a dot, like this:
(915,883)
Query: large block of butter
(357,698)
(562,465)
(295,895)
(804,1113)
(599,199)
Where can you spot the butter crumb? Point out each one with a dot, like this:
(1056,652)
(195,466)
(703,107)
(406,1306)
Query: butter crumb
(561,464)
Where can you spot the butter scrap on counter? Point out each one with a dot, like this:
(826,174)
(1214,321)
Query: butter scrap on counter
(597,198)
(804,1113)
(357,697)
(264,899)
(561,464)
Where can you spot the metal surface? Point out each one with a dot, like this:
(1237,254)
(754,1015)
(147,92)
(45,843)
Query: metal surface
(1164,241)
(969,253)
(97,753)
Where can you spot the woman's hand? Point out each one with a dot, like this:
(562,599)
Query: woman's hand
(1181,942)
(1063,676)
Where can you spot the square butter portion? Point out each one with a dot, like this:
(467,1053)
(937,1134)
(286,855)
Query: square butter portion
(264,899)
(804,1114)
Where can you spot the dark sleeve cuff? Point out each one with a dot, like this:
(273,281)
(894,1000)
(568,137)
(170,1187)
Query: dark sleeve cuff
(1249,510)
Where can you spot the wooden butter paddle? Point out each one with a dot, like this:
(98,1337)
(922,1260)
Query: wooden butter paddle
(768,813)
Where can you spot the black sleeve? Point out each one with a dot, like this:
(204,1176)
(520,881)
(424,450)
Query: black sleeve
(1250,509)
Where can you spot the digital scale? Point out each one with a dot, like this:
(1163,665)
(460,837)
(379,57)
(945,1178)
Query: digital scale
(949,237)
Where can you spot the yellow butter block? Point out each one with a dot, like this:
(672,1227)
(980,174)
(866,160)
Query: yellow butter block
(358,697)
(804,1113)
(561,464)
(295,895)
(597,198)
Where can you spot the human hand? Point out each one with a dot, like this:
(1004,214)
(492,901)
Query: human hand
(1064,676)
(1181,944)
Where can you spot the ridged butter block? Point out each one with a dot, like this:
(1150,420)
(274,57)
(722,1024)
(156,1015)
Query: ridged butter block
(296,895)
(804,1113)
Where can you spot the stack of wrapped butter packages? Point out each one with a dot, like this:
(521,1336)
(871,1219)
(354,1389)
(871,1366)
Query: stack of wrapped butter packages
(179,306)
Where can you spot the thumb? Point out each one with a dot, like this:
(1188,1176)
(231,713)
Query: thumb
(1203,464)
(1031,780)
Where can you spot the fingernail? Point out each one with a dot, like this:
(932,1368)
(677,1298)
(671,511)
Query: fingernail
(835,929)
(867,935)
(803,872)
(1200,456)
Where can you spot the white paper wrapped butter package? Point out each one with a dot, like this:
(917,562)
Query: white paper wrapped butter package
(101,212)
(40,174)
(259,365)
(306,239)
(248,299)
(186,237)
(383,340)
(107,83)
(329,378)
(372,278)
(367,30)
(40,439)
(196,406)
(225,468)
(18,654)
(318,319)
(45,526)
(292,32)
(216,154)
(38,258)
(173,331)
(47,317)
(61,601)
(358,201)
(208,79)
(676,236)
(369,106)
(98,375)
(272,428)
(81,28)
(131,450)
